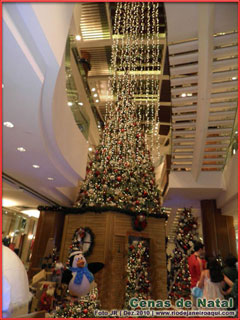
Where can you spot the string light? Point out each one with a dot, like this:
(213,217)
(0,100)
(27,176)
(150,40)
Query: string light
(121,173)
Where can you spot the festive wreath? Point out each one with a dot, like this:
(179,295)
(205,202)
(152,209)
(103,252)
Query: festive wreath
(84,239)
(139,222)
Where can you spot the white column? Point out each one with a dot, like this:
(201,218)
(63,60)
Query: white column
(205,35)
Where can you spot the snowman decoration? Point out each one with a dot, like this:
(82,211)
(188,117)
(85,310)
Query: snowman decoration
(82,281)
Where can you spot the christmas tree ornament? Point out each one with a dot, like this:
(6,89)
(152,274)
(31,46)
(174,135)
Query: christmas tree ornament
(139,222)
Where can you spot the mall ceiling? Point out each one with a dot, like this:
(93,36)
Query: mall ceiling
(198,100)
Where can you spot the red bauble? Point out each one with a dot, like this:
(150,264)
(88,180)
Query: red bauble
(119,142)
(145,193)
(137,202)
(122,130)
(138,135)
(119,178)
(97,173)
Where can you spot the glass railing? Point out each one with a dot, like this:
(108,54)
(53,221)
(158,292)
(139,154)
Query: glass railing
(233,145)
(74,101)
(76,105)
(82,71)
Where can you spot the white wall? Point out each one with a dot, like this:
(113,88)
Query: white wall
(54,19)
(227,201)
(34,39)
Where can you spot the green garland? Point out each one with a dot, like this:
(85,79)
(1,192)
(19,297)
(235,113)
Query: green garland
(82,210)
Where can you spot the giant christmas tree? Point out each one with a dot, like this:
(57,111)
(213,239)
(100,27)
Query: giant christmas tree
(180,277)
(121,174)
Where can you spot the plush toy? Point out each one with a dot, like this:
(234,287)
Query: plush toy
(78,277)
(82,281)
(57,272)
(46,301)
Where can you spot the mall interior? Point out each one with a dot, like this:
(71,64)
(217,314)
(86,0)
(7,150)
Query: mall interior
(67,99)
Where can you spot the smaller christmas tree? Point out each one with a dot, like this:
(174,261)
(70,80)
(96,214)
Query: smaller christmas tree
(179,275)
(81,308)
(138,281)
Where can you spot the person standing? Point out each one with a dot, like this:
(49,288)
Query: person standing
(231,286)
(230,270)
(196,265)
(212,280)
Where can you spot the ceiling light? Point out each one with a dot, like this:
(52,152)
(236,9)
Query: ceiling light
(8,124)
(21,149)
(97,101)
(78,37)
(8,203)
(11,234)
(234,151)
(99,126)
(183,95)
(93,89)
(32,213)
(90,149)
(2,85)
(70,104)
(234,78)
(95,95)
(51,179)
(80,103)
(236,132)
(36,166)
(189,94)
